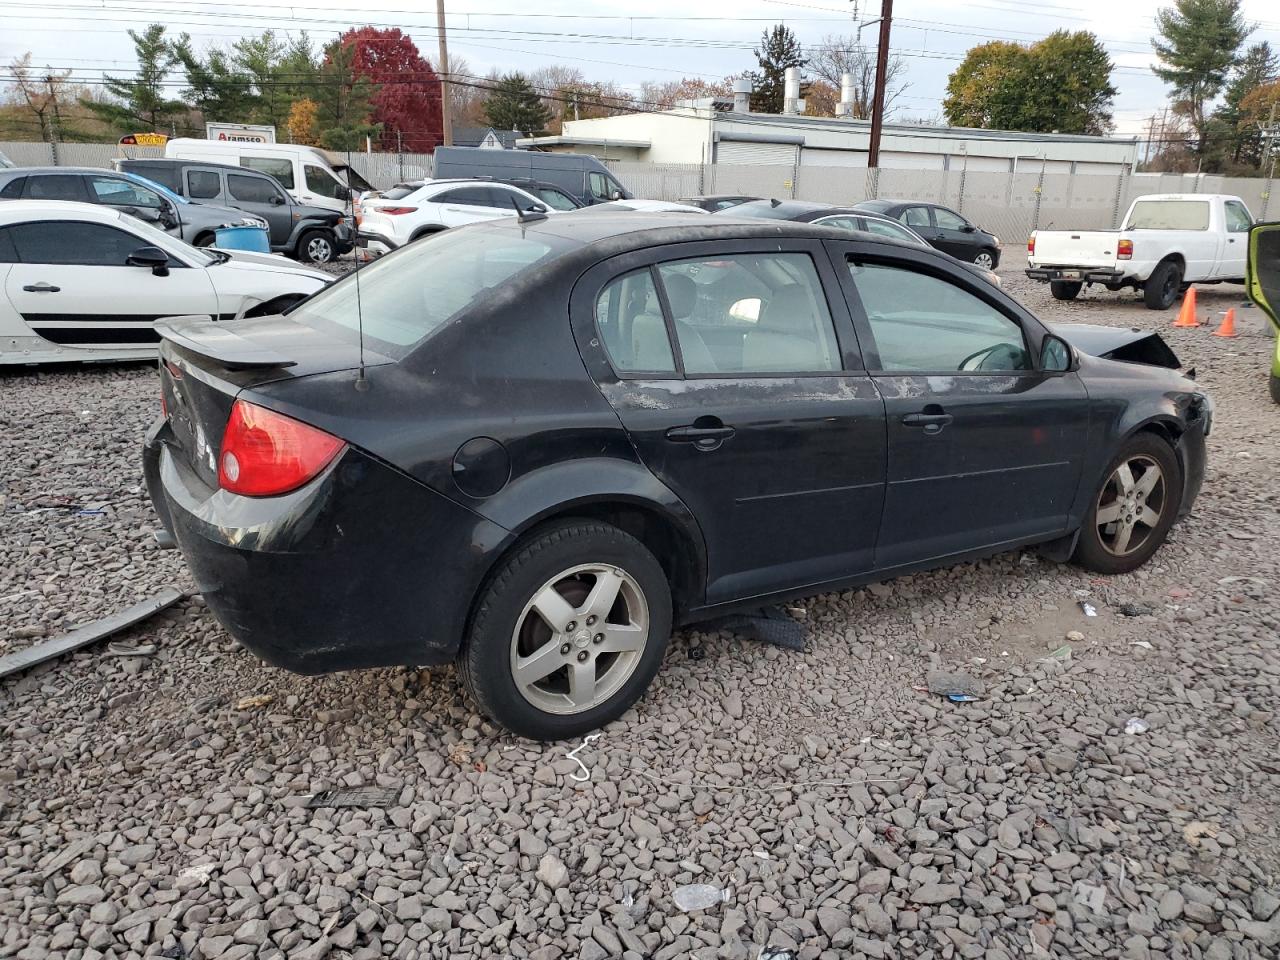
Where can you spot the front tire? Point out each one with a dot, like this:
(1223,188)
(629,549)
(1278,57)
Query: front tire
(1065,289)
(1162,287)
(1133,508)
(316,246)
(569,631)
(1275,388)
(986,259)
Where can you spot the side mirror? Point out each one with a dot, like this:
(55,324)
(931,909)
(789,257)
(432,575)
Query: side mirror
(1262,270)
(152,257)
(969,228)
(1055,355)
(615,194)
(277,200)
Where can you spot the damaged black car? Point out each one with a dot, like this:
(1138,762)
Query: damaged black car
(535,448)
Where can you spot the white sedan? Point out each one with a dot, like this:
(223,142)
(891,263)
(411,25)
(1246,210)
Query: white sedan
(412,210)
(79,281)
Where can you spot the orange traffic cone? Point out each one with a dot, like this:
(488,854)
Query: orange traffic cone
(1187,315)
(1228,328)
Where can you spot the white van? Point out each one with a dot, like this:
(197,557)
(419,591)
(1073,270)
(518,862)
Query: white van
(311,175)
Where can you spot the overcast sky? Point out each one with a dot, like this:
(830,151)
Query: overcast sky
(669,40)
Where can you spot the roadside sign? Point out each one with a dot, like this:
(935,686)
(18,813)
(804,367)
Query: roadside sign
(144,140)
(240,132)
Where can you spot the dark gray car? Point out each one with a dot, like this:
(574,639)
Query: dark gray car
(150,202)
(313,234)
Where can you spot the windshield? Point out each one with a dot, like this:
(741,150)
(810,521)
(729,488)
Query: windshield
(408,295)
(5,162)
(159,188)
(170,244)
(1169,215)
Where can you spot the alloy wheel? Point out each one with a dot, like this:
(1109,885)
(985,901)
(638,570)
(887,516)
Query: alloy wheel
(579,638)
(984,260)
(1131,505)
(319,250)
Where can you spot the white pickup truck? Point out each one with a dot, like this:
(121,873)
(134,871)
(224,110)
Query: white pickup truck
(1168,241)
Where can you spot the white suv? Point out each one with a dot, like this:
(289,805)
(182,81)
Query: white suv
(409,211)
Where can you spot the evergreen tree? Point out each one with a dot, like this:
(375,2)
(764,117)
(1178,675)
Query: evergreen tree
(343,100)
(215,85)
(141,102)
(778,50)
(513,104)
(1242,140)
(1198,45)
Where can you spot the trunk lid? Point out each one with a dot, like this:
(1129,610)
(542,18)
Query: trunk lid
(1075,248)
(204,366)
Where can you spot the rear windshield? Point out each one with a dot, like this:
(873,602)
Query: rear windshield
(1169,215)
(406,296)
(400,191)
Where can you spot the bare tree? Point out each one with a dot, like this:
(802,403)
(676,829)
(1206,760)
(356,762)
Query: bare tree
(835,56)
(466,94)
(43,93)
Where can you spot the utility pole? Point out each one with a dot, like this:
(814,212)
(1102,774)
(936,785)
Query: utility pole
(882,78)
(55,124)
(447,121)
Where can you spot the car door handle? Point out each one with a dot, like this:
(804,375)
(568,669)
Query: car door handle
(932,422)
(41,287)
(706,437)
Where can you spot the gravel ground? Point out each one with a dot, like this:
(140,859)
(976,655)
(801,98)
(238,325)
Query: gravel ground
(157,805)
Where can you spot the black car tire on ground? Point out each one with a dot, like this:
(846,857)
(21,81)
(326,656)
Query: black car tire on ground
(485,660)
(1091,553)
(986,258)
(1065,289)
(1275,388)
(1161,289)
(316,246)
(205,240)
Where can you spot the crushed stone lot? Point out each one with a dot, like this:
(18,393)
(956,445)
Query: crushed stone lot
(1113,793)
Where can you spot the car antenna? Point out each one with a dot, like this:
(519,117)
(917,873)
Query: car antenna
(526,216)
(362,383)
(775,202)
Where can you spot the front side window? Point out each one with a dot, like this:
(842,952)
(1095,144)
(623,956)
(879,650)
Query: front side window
(282,170)
(56,187)
(203,184)
(1238,218)
(928,325)
(321,181)
(629,317)
(915,216)
(405,297)
(124,193)
(71,243)
(1169,215)
(251,189)
(946,220)
(598,184)
(774,302)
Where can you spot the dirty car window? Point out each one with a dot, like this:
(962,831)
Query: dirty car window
(407,296)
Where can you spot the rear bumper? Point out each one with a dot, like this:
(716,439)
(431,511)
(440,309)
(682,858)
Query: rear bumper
(1077,274)
(362,567)
(367,237)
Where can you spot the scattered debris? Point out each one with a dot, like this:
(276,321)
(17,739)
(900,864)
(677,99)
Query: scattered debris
(697,652)
(460,753)
(1075,636)
(573,755)
(1141,643)
(255,701)
(761,855)
(1196,829)
(116,649)
(1063,653)
(88,633)
(1135,610)
(1089,895)
(944,683)
(1089,609)
(1136,725)
(356,797)
(201,872)
(961,698)
(699,896)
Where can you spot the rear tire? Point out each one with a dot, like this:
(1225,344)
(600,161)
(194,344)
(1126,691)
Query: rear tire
(1161,289)
(1275,388)
(1065,289)
(586,603)
(1104,547)
(205,240)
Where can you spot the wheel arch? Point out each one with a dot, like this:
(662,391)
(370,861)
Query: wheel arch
(426,231)
(1174,257)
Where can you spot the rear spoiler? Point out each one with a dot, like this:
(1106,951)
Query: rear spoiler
(200,335)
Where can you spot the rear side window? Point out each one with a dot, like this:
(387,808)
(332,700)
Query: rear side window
(56,187)
(13,189)
(8,253)
(69,242)
(407,296)
(250,189)
(925,324)
(629,316)
(466,197)
(1169,215)
(282,170)
(204,184)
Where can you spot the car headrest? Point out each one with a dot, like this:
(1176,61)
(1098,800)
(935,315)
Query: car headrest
(782,309)
(682,294)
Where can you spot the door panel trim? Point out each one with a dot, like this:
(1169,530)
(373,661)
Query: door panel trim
(808,493)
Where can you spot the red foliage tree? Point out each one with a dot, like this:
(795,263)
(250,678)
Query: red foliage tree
(408,98)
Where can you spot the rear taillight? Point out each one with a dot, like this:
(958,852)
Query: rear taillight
(1031,245)
(265,453)
(1124,250)
(396,211)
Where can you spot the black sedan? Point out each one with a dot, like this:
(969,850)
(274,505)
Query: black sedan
(943,228)
(536,447)
(715,202)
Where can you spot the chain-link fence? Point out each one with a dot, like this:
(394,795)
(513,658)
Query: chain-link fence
(1010,205)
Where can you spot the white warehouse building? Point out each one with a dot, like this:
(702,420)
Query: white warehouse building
(714,131)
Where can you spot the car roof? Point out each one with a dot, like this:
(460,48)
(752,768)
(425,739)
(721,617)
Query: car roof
(23,171)
(20,211)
